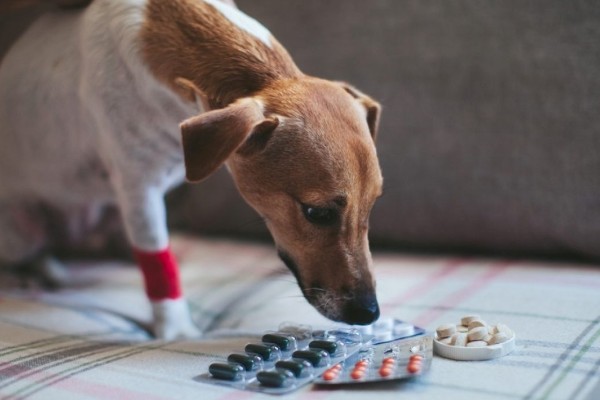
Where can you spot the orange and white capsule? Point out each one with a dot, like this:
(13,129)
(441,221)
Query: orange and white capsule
(388,361)
(414,367)
(332,373)
(388,364)
(357,374)
(329,375)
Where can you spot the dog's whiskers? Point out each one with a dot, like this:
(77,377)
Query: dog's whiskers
(252,222)
(315,290)
(291,296)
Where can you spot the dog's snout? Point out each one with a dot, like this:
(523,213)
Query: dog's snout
(362,310)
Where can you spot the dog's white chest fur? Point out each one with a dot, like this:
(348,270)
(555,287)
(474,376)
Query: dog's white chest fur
(83,107)
(85,123)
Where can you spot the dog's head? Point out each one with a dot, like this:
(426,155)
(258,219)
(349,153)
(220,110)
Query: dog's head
(302,154)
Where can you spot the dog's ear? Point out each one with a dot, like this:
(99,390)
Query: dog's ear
(190,92)
(210,138)
(372,107)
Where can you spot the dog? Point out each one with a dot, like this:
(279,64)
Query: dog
(120,101)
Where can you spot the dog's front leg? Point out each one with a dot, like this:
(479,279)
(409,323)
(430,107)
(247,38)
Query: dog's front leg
(144,216)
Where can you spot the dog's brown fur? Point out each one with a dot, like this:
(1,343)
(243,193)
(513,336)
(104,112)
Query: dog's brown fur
(204,47)
(291,141)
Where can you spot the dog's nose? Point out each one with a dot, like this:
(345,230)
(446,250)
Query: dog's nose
(362,311)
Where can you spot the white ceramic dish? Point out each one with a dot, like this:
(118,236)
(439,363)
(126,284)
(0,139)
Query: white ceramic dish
(473,353)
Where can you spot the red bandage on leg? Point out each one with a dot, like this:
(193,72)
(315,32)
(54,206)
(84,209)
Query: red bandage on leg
(161,274)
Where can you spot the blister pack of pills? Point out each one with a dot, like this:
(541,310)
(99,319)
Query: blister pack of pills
(295,355)
(399,357)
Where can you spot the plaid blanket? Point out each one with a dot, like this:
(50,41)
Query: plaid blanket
(90,340)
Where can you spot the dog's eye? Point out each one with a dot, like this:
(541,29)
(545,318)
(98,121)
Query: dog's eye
(320,215)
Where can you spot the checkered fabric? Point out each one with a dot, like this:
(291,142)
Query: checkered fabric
(90,340)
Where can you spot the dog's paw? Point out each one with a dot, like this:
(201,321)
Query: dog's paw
(54,273)
(172,320)
(43,271)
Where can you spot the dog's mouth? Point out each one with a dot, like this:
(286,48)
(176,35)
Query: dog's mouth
(357,307)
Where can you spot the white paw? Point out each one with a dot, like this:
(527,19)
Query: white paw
(172,320)
(52,272)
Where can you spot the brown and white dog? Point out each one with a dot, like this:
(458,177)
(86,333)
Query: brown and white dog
(91,104)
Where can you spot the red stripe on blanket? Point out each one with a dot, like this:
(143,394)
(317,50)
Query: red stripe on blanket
(425,286)
(457,297)
(560,280)
(161,274)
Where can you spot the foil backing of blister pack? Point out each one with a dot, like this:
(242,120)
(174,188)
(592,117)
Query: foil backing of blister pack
(392,340)
(399,358)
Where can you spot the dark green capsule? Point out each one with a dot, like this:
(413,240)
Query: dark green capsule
(283,342)
(266,352)
(275,379)
(294,366)
(248,362)
(326,345)
(228,372)
(312,356)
